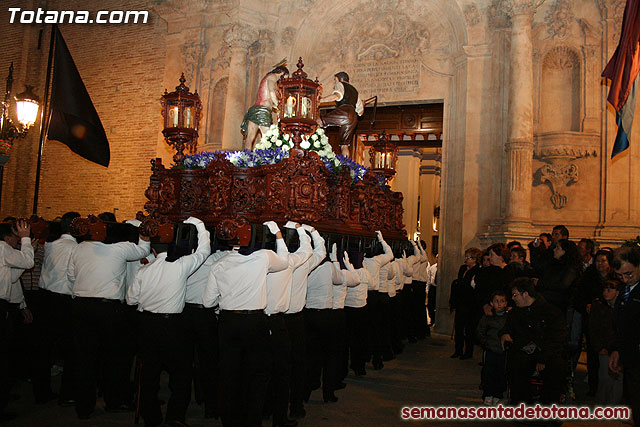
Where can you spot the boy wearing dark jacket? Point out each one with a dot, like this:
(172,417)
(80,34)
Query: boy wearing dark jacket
(493,373)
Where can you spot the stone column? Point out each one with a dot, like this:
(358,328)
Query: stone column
(519,146)
(239,38)
(408,183)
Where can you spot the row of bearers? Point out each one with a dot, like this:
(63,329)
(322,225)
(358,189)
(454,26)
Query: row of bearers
(259,305)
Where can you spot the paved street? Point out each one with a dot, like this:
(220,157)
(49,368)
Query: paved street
(422,375)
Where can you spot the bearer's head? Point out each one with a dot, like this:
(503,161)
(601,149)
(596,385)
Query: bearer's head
(611,290)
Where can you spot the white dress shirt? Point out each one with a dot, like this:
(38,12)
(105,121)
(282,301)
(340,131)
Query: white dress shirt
(321,283)
(431,276)
(133,267)
(350,279)
(279,284)
(301,275)
(357,295)
(161,286)
(197,282)
(53,276)
(386,278)
(12,260)
(373,265)
(98,270)
(239,282)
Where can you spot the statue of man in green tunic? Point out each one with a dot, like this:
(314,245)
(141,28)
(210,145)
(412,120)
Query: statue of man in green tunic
(259,115)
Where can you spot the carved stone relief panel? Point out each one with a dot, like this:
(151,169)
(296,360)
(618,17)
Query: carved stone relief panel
(559,177)
(384,44)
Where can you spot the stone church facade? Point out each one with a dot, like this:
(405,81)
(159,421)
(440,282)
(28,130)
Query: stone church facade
(527,133)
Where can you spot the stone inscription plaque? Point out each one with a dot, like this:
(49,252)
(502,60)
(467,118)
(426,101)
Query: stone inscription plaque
(385,77)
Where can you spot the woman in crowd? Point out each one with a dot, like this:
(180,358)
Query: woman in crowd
(463,301)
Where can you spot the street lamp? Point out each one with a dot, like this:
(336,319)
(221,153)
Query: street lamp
(27,105)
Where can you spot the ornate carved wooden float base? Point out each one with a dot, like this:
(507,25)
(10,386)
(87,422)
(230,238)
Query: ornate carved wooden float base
(299,188)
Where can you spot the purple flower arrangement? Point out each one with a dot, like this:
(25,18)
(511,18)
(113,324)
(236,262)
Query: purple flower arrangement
(270,156)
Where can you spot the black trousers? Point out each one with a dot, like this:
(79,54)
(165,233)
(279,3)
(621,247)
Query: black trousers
(419,317)
(465,330)
(431,305)
(357,336)
(297,336)
(56,343)
(342,348)
(375,342)
(405,306)
(395,304)
(6,328)
(244,367)
(521,367)
(321,344)
(494,375)
(163,343)
(100,332)
(631,389)
(202,330)
(277,399)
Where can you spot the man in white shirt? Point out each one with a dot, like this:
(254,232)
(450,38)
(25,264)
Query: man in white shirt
(202,324)
(294,320)
(97,271)
(278,300)
(318,322)
(420,288)
(159,289)
(57,326)
(340,358)
(432,283)
(373,262)
(356,315)
(238,284)
(12,261)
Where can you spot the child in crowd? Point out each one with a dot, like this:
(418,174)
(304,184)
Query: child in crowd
(602,334)
(493,372)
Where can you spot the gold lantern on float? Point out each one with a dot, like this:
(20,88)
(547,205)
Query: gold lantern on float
(383,156)
(181,110)
(298,104)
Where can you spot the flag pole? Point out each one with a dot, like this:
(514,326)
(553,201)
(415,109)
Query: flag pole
(44,119)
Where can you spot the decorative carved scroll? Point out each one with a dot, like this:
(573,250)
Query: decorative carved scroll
(559,177)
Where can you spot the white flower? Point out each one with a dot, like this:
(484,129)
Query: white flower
(336,162)
(285,147)
(314,137)
(278,143)
(316,144)
(331,155)
(324,140)
(274,139)
(305,145)
(320,131)
(287,136)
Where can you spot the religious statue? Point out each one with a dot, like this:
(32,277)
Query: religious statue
(349,107)
(259,115)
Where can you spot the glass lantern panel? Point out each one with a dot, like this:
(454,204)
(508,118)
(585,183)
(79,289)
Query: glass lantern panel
(27,112)
(305,107)
(173,115)
(188,117)
(290,105)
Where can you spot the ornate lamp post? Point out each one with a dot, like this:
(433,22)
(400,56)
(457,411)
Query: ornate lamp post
(181,110)
(27,105)
(299,99)
(383,156)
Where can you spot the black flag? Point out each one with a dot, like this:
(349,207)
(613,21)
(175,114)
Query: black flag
(74,120)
